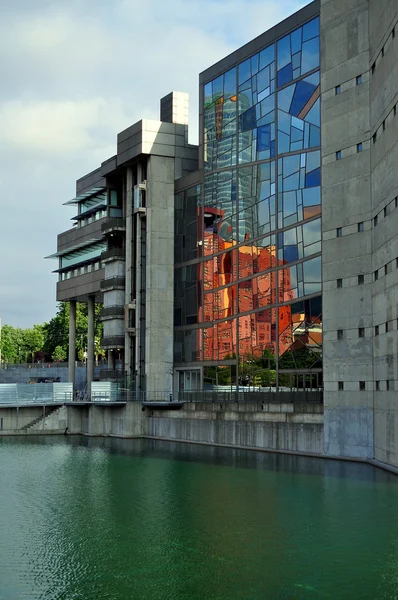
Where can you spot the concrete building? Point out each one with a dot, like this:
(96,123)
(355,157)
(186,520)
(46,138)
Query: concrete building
(268,254)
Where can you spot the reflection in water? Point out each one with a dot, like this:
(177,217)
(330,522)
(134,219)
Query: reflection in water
(83,518)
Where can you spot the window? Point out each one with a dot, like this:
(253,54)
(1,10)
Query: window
(382,52)
(359,147)
(340,386)
(387,385)
(385,211)
(362,386)
(361,279)
(384,125)
(339,232)
(374,137)
(393,33)
(361,332)
(376,275)
(373,68)
(338,155)
(360,227)
(337,89)
(395,110)
(377,386)
(387,327)
(375,221)
(396,263)
(339,283)
(359,79)
(340,334)
(376,330)
(385,269)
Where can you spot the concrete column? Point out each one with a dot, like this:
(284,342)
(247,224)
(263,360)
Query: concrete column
(111,360)
(72,342)
(90,341)
(128,264)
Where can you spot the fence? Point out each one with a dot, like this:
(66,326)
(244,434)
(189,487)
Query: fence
(241,394)
(39,393)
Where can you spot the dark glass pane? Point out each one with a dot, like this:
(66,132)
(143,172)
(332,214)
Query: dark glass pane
(285,75)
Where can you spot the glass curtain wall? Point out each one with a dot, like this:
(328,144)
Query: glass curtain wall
(248,303)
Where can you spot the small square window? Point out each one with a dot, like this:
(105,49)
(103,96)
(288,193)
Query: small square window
(340,386)
(376,330)
(338,155)
(337,89)
(361,279)
(376,275)
(387,385)
(361,332)
(375,221)
(339,283)
(387,327)
(339,232)
(360,227)
(359,147)
(377,386)
(362,386)
(359,79)
(340,334)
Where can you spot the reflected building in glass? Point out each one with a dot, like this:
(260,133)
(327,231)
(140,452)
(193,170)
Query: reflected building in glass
(248,271)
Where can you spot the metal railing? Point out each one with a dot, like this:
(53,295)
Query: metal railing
(17,394)
(241,395)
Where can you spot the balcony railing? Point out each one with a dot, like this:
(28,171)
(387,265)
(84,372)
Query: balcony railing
(112,254)
(112,342)
(113,283)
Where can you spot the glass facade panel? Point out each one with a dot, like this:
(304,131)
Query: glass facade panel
(254,229)
(82,255)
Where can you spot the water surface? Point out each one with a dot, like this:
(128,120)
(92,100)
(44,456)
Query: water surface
(84,519)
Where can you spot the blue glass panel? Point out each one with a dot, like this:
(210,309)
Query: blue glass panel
(279,238)
(310,55)
(284,52)
(314,115)
(283,143)
(267,56)
(296,73)
(247,120)
(254,64)
(230,83)
(285,75)
(272,148)
(263,79)
(313,178)
(291,164)
(263,138)
(284,122)
(291,183)
(208,91)
(296,40)
(218,87)
(312,232)
(315,136)
(314,79)
(302,94)
(285,98)
(296,60)
(313,160)
(312,270)
(290,253)
(264,94)
(311,29)
(289,203)
(267,105)
(296,135)
(244,71)
(312,196)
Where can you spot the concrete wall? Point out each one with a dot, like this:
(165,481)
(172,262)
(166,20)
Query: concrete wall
(346,202)
(288,428)
(384,159)
(12,419)
(123,421)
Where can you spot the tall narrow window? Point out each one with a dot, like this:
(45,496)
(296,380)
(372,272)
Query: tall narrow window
(361,279)
(337,89)
(341,386)
(375,221)
(339,283)
(359,79)
(340,334)
(339,232)
(376,275)
(377,386)
(361,332)
(360,227)
(362,386)
(359,147)
(376,330)
(338,155)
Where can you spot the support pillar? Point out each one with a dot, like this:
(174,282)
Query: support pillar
(72,342)
(111,360)
(90,342)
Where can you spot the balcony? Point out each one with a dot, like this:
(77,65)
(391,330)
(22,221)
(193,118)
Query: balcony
(112,254)
(112,312)
(113,224)
(113,283)
(112,342)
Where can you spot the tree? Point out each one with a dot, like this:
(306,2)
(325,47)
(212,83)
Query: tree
(33,340)
(59,354)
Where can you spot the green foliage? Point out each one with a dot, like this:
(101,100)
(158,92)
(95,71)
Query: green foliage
(50,340)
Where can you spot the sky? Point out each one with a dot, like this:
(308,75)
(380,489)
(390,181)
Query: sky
(74,73)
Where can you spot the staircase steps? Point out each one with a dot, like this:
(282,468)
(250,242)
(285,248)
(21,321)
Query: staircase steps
(48,411)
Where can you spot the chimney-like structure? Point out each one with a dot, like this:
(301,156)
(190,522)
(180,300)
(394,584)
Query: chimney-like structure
(174,108)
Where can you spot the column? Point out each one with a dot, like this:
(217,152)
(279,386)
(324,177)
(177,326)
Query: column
(72,341)
(111,360)
(90,342)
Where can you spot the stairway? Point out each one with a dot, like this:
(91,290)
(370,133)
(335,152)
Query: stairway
(47,412)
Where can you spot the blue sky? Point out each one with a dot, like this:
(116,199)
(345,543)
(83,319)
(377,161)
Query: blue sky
(76,73)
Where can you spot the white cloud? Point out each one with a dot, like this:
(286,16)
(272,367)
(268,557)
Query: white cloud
(78,72)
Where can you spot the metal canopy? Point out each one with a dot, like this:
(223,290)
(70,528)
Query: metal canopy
(91,192)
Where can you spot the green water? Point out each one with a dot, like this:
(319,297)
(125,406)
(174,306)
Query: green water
(130,519)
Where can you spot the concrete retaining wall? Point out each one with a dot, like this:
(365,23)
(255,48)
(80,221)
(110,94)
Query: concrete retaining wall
(13,419)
